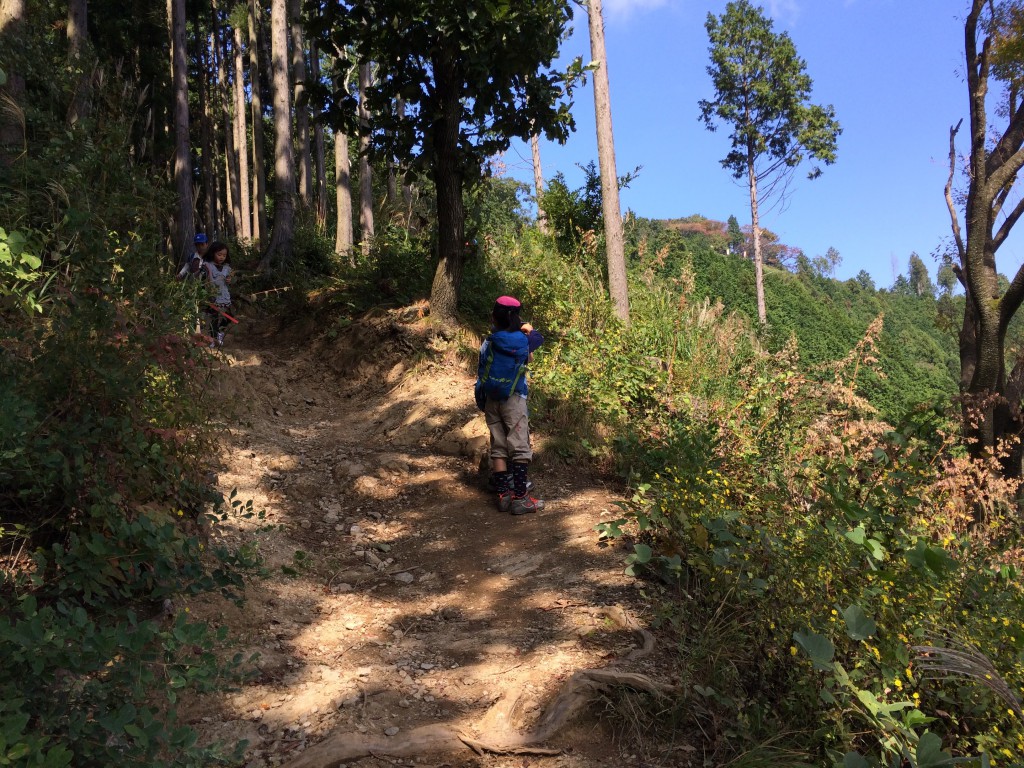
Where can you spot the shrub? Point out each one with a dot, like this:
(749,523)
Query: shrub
(102,456)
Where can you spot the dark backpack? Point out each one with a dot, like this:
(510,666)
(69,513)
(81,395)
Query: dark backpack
(497,375)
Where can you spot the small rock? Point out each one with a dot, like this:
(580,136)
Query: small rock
(405,703)
(393,730)
(305,524)
(355,530)
(426,665)
(405,578)
(339,589)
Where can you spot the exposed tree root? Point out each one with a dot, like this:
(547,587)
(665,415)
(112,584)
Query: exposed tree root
(495,731)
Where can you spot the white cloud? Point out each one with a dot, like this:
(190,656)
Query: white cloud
(784,11)
(624,8)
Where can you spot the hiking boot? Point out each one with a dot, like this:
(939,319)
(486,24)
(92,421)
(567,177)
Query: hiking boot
(505,501)
(526,504)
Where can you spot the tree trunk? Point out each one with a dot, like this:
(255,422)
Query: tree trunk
(755,231)
(407,190)
(366,231)
(78,27)
(279,250)
(319,161)
(392,204)
(343,198)
(301,106)
(78,37)
(185,218)
(260,227)
(12,116)
(232,184)
(210,191)
(618,285)
(242,141)
(991,400)
(538,184)
(447,172)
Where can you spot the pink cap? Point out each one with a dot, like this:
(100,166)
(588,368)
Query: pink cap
(508,301)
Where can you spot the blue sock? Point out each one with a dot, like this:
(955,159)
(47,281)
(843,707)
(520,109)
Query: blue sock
(519,471)
(502,482)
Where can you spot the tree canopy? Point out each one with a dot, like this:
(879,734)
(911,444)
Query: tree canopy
(471,75)
(762,92)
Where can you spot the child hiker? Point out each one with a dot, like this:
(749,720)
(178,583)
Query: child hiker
(501,394)
(217,269)
(194,264)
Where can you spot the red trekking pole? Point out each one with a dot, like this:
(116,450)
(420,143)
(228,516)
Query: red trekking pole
(221,313)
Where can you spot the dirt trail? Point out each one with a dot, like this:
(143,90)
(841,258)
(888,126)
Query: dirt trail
(398,597)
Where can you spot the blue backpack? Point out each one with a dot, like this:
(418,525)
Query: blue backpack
(497,374)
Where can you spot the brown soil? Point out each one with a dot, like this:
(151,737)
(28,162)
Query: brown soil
(398,596)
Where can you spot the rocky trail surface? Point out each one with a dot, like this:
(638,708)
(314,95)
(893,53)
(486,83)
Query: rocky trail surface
(404,620)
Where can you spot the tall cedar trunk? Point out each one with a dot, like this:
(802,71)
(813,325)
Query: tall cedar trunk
(279,250)
(78,32)
(319,161)
(755,230)
(185,222)
(78,27)
(366,230)
(392,181)
(538,184)
(407,191)
(12,136)
(260,227)
(447,171)
(343,198)
(232,185)
(618,286)
(301,106)
(242,141)
(210,193)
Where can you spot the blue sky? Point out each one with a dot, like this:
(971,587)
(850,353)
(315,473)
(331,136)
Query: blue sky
(893,70)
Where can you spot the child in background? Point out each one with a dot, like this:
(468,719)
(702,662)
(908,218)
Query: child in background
(217,269)
(193,264)
(508,419)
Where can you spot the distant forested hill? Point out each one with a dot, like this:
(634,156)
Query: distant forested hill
(918,347)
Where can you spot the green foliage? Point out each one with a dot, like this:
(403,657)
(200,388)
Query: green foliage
(801,547)
(491,91)
(917,349)
(21,282)
(831,551)
(102,451)
(573,212)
